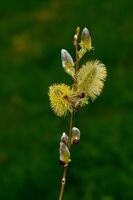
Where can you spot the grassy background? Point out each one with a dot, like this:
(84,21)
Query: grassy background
(32,34)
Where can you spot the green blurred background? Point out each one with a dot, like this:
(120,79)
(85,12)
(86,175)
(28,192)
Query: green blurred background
(32,33)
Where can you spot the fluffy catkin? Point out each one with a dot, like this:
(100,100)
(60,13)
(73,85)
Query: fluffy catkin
(60,95)
(91,78)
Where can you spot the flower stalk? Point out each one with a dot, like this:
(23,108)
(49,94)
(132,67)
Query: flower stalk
(63,180)
(88,82)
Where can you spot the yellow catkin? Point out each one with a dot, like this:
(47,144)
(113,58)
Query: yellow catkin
(91,78)
(60,98)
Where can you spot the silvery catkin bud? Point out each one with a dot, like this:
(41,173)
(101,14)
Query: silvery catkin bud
(75,135)
(64,154)
(67,62)
(64,138)
(86,39)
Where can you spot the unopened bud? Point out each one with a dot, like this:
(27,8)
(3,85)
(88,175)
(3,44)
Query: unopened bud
(85,34)
(64,154)
(67,62)
(81,95)
(64,138)
(75,37)
(77,30)
(75,135)
(86,39)
(75,41)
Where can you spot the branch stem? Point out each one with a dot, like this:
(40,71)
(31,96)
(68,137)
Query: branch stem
(63,180)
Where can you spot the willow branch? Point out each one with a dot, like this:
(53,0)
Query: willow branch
(63,180)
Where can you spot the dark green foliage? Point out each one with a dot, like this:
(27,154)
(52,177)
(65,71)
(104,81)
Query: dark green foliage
(31,37)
